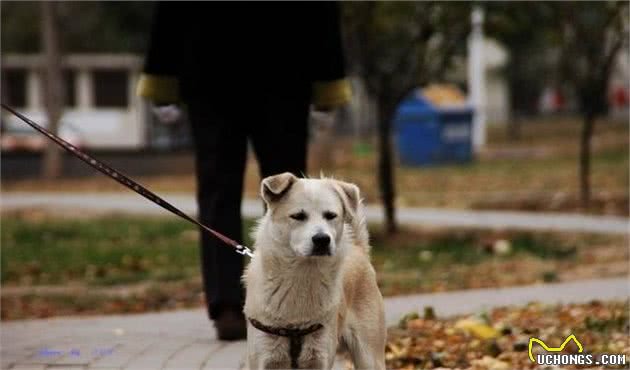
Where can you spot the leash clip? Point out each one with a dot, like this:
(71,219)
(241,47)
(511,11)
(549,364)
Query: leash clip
(245,251)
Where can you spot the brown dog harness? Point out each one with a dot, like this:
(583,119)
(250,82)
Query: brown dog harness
(295,335)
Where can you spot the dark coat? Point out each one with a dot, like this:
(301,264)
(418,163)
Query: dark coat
(225,50)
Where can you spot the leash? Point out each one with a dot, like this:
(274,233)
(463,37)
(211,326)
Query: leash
(127,182)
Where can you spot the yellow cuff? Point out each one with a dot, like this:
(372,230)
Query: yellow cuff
(159,89)
(331,94)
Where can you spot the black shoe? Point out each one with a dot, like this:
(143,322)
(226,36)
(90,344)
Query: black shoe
(231,325)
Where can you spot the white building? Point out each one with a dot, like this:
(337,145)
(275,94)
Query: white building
(102,109)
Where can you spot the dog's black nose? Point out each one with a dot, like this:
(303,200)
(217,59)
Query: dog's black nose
(321,244)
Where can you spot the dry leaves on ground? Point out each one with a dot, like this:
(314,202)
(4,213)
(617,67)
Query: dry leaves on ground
(499,339)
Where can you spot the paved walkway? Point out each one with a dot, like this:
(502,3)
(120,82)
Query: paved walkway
(475,300)
(129,202)
(186,340)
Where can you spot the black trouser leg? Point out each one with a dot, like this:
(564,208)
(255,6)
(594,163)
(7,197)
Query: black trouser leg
(221,149)
(280,136)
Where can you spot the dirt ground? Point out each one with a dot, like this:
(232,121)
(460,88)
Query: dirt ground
(538,172)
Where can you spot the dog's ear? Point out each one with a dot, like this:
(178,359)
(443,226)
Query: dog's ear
(350,197)
(275,187)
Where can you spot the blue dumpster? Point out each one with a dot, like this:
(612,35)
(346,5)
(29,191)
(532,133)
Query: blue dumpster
(429,135)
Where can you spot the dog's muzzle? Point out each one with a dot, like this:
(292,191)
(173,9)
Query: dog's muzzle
(321,245)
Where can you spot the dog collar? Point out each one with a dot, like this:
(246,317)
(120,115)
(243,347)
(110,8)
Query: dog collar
(295,335)
(290,331)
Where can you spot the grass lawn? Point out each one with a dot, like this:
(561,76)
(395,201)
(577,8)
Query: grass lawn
(133,264)
(103,251)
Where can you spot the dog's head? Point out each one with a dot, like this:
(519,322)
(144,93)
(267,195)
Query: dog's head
(306,217)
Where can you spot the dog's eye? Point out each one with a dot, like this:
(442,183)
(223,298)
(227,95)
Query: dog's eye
(330,215)
(300,216)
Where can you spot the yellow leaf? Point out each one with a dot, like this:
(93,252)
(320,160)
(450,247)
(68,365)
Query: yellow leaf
(477,329)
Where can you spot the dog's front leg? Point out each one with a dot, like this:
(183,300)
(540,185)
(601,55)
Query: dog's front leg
(264,351)
(366,352)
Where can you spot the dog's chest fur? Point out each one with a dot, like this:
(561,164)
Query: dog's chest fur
(289,294)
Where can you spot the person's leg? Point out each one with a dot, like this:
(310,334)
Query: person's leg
(220,150)
(280,136)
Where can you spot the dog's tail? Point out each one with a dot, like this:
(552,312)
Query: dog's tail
(359,228)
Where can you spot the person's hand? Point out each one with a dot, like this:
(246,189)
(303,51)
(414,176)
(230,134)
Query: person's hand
(323,119)
(167,114)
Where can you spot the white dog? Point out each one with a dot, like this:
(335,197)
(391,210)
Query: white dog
(310,284)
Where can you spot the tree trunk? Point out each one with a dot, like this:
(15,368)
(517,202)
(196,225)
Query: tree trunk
(385,165)
(585,159)
(53,90)
(514,128)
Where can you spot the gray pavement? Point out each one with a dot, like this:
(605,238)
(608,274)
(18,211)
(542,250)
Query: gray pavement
(476,300)
(128,202)
(170,340)
(186,340)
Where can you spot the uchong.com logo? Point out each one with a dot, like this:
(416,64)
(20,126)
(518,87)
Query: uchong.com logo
(553,357)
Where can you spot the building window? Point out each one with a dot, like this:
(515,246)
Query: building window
(14,87)
(111,88)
